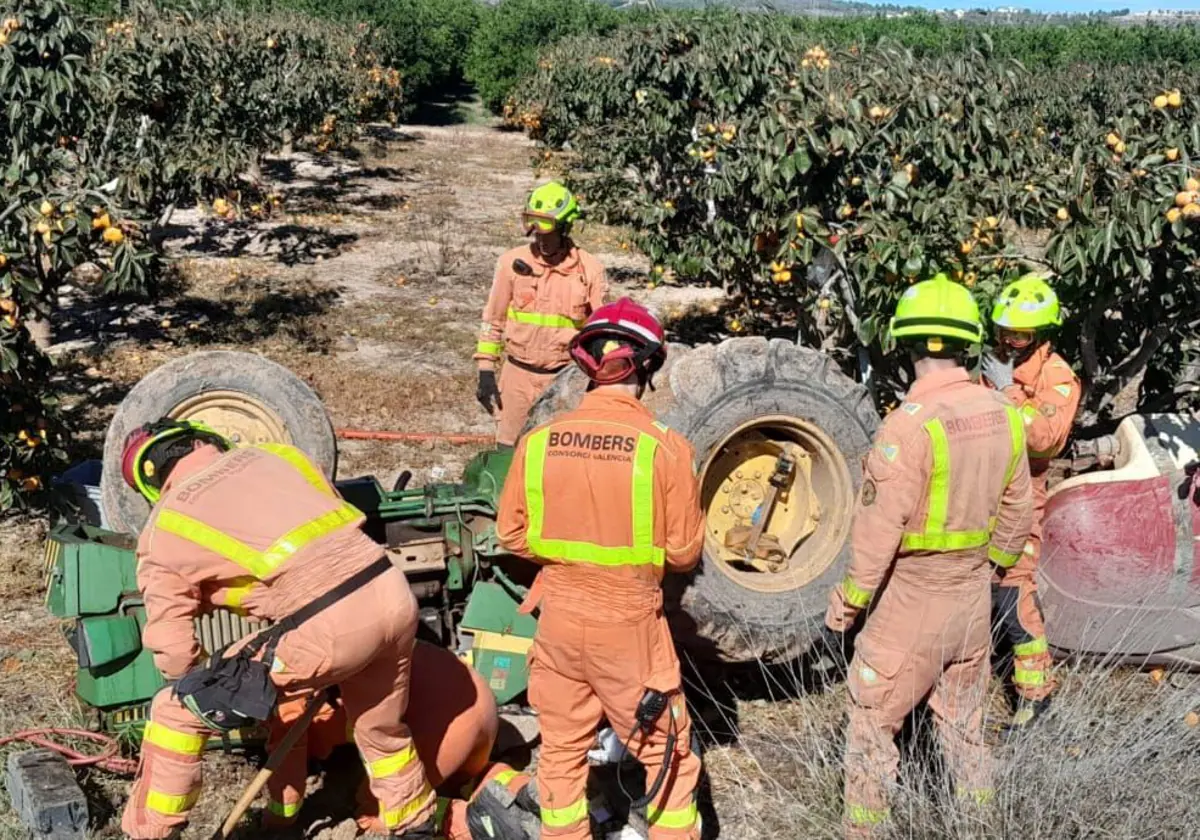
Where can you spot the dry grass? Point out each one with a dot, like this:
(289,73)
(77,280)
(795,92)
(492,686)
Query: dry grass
(1114,759)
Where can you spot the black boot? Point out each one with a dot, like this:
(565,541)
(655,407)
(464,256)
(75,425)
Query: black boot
(496,814)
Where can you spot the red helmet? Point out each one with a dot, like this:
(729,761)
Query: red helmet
(636,341)
(162,441)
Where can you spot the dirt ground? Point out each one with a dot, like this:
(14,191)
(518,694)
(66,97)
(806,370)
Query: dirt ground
(369,285)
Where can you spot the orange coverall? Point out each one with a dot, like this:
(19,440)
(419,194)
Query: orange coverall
(531,320)
(260,529)
(945,489)
(453,719)
(608,500)
(1047,393)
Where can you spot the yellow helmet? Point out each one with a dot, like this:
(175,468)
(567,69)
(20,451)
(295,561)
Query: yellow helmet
(938,308)
(1027,304)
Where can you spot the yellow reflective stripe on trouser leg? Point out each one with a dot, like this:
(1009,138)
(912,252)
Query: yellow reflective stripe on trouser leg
(543,319)
(680,818)
(1031,648)
(395,816)
(171,804)
(861,815)
(392,764)
(287,810)
(301,463)
(568,816)
(642,552)
(1025,677)
(504,776)
(855,595)
(183,743)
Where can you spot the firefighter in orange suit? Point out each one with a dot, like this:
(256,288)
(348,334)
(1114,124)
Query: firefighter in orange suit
(541,294)
(607,499)
(945,496)
(260,529)
(454,722)
(1046,391)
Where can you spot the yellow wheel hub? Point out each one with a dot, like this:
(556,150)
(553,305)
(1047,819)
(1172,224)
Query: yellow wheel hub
(239,417)
(744,472)
(805,524)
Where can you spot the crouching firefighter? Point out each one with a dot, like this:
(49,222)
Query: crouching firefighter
(606,498)
(945,496)
(260,530)
(454,722)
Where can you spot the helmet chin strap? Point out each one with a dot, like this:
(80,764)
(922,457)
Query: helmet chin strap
(1019,355)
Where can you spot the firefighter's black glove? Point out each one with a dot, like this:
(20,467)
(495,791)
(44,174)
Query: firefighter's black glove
(830,653)
(488,392)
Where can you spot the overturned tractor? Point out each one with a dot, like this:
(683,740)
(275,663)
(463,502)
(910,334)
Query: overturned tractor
(779,433)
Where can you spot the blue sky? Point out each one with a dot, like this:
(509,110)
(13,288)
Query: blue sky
(1058,5)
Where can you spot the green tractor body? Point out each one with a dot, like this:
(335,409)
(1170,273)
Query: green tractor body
(441,536)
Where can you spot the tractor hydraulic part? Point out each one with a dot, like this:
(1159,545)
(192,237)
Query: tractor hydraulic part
(779,481)
(46,797)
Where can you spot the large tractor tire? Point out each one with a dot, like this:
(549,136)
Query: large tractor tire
(742,404)
(246,397)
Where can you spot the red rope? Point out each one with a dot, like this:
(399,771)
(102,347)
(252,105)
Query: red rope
(108,759)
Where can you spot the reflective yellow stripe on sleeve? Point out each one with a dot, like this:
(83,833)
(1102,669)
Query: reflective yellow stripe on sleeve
(855,595)
(642,552)
(563,817)
(393,818)
(301,463)
(488,348)
(543,319)
(1032,647)
(392,764)
(287,810)
(505,776)
(680,818)
(1003,559)
(183,743)
(171,804)
(237,591)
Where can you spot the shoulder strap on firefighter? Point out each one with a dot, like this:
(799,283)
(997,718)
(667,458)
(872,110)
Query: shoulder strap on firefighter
(276,631)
